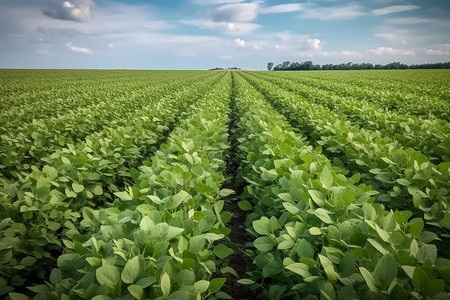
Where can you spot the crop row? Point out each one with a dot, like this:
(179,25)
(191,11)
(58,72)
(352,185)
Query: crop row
(423,100)
(428,136)
(42,209)
(419,82)
(317,233)
(34,91)
(156,240)
(403,178)
(27,144)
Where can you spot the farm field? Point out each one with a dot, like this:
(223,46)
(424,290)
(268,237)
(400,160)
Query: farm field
(224,185)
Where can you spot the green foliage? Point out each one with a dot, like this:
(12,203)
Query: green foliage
(318,232)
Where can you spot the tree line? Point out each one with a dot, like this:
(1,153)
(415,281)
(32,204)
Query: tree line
(310,66)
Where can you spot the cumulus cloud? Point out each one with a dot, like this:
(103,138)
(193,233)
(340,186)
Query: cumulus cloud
(439,49)
(229,28)
(225,57)
(391,51)
(77,10)
(393,9)
(313,44)
(312,47)
(281,8)
(391,37)
(239,43)
(111,46)
(241,12)
(78,49)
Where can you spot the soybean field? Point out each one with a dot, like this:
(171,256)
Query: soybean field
(129,184)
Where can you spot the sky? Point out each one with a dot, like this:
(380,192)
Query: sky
(203,34)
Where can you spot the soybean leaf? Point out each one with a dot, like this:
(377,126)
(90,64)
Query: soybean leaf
(131,270)
(385,271)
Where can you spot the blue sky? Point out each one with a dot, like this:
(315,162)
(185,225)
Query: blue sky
(202,34)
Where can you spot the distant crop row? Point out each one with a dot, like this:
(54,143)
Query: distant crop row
(346,197)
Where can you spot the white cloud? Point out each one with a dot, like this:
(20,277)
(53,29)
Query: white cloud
(312,47)
(110,45)
(257,47)
(337,12)
(439,49)
(394,9)
(408,20)
(390,51)
(239,43)
(281,8)
(241,12)
(350,53)
(314,44)
(77,10)
(229,28)
(78,49)
(391,37)
(225,57)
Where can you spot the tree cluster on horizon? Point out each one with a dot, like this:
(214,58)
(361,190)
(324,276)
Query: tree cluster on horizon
(310,66)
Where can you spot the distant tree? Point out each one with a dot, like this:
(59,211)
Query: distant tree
(308,65)
(269,66)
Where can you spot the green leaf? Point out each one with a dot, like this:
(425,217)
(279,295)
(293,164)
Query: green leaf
(201,286)
(17,296)
(173,231)
(385,271)
(108,275)
(123,196)
(261,226)
(55,276)
(39,289)
(347,264)
(245,205)
(77,188)
(299,268)
(136,291)
(131,270)
(197,243)
(263,244)
(28,261)
(245,281)
(222,251)
(378,246)
(304,249)
(146,282)
(4,222)
(403,182)
(165,285)
(427,252)
(147,225)
(226,192)
(369,279)
(317,197)
(323,215)
(216,284)
(291,208)
(419,279)
(315,231)
(326,178)
(434,287)
(223,295)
